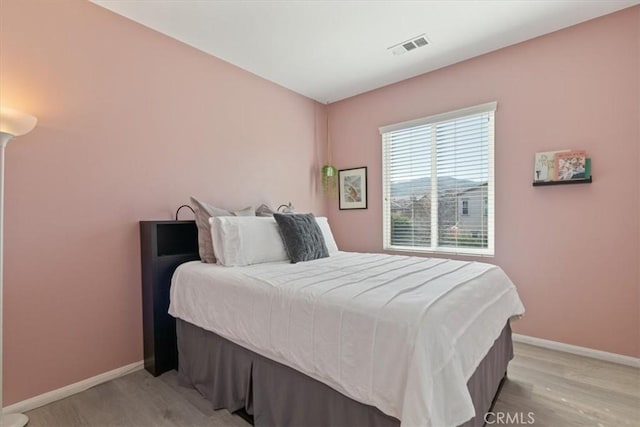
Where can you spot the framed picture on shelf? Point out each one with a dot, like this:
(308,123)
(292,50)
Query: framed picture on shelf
(352,188)
(545,165)
(571,165)
(562,167)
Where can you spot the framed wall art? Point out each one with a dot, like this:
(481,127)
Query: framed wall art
(352,188)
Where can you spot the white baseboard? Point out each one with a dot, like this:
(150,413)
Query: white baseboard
(71,389)
(61,393)
(580,351)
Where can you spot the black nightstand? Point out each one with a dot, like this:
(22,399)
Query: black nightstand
(164,246)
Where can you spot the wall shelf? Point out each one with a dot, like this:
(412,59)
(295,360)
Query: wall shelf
(574,181)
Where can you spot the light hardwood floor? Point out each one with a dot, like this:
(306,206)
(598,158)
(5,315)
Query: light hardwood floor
(558,389)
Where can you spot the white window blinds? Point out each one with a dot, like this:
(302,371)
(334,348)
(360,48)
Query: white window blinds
(438,182)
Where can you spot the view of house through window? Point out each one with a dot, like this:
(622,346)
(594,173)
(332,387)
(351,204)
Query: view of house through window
(465,207)
(438,183)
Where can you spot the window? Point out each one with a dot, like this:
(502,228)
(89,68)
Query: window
(438,183)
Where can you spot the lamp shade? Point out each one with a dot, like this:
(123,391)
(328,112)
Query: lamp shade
(15,122)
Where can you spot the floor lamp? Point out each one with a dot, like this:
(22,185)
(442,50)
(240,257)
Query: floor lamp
(12,123)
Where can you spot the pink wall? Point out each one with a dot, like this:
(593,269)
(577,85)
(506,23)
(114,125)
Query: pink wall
(573,251)
(131,123)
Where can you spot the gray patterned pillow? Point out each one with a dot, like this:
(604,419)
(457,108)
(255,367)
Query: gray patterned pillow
(205,211)
(302,237)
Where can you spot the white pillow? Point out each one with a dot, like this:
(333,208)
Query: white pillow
(329,241)
(239,241)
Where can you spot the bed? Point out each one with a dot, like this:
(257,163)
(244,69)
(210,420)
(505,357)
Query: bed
(352,339)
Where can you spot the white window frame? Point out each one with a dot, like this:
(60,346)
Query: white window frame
(489,251)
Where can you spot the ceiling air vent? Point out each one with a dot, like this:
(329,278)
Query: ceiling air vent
(408,45)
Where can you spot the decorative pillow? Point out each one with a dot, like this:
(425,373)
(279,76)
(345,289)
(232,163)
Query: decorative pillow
(264,210)
(329,241)
(302,237)
(241,241)
(205,211)
(248,211)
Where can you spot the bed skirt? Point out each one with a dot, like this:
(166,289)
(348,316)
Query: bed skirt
(234,378)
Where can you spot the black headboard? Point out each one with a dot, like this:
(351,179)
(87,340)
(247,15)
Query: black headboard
(164,245)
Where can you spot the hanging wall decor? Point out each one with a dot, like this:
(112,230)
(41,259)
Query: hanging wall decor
(352,188)
(562,167)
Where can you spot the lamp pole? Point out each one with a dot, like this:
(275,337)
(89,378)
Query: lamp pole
(6,420)
(12,123)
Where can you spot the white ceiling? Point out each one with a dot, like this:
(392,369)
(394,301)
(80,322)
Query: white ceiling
(331,50)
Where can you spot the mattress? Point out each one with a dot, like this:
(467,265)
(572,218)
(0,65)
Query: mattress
(403,334)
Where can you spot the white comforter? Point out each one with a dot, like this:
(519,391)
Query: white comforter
(400,333)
